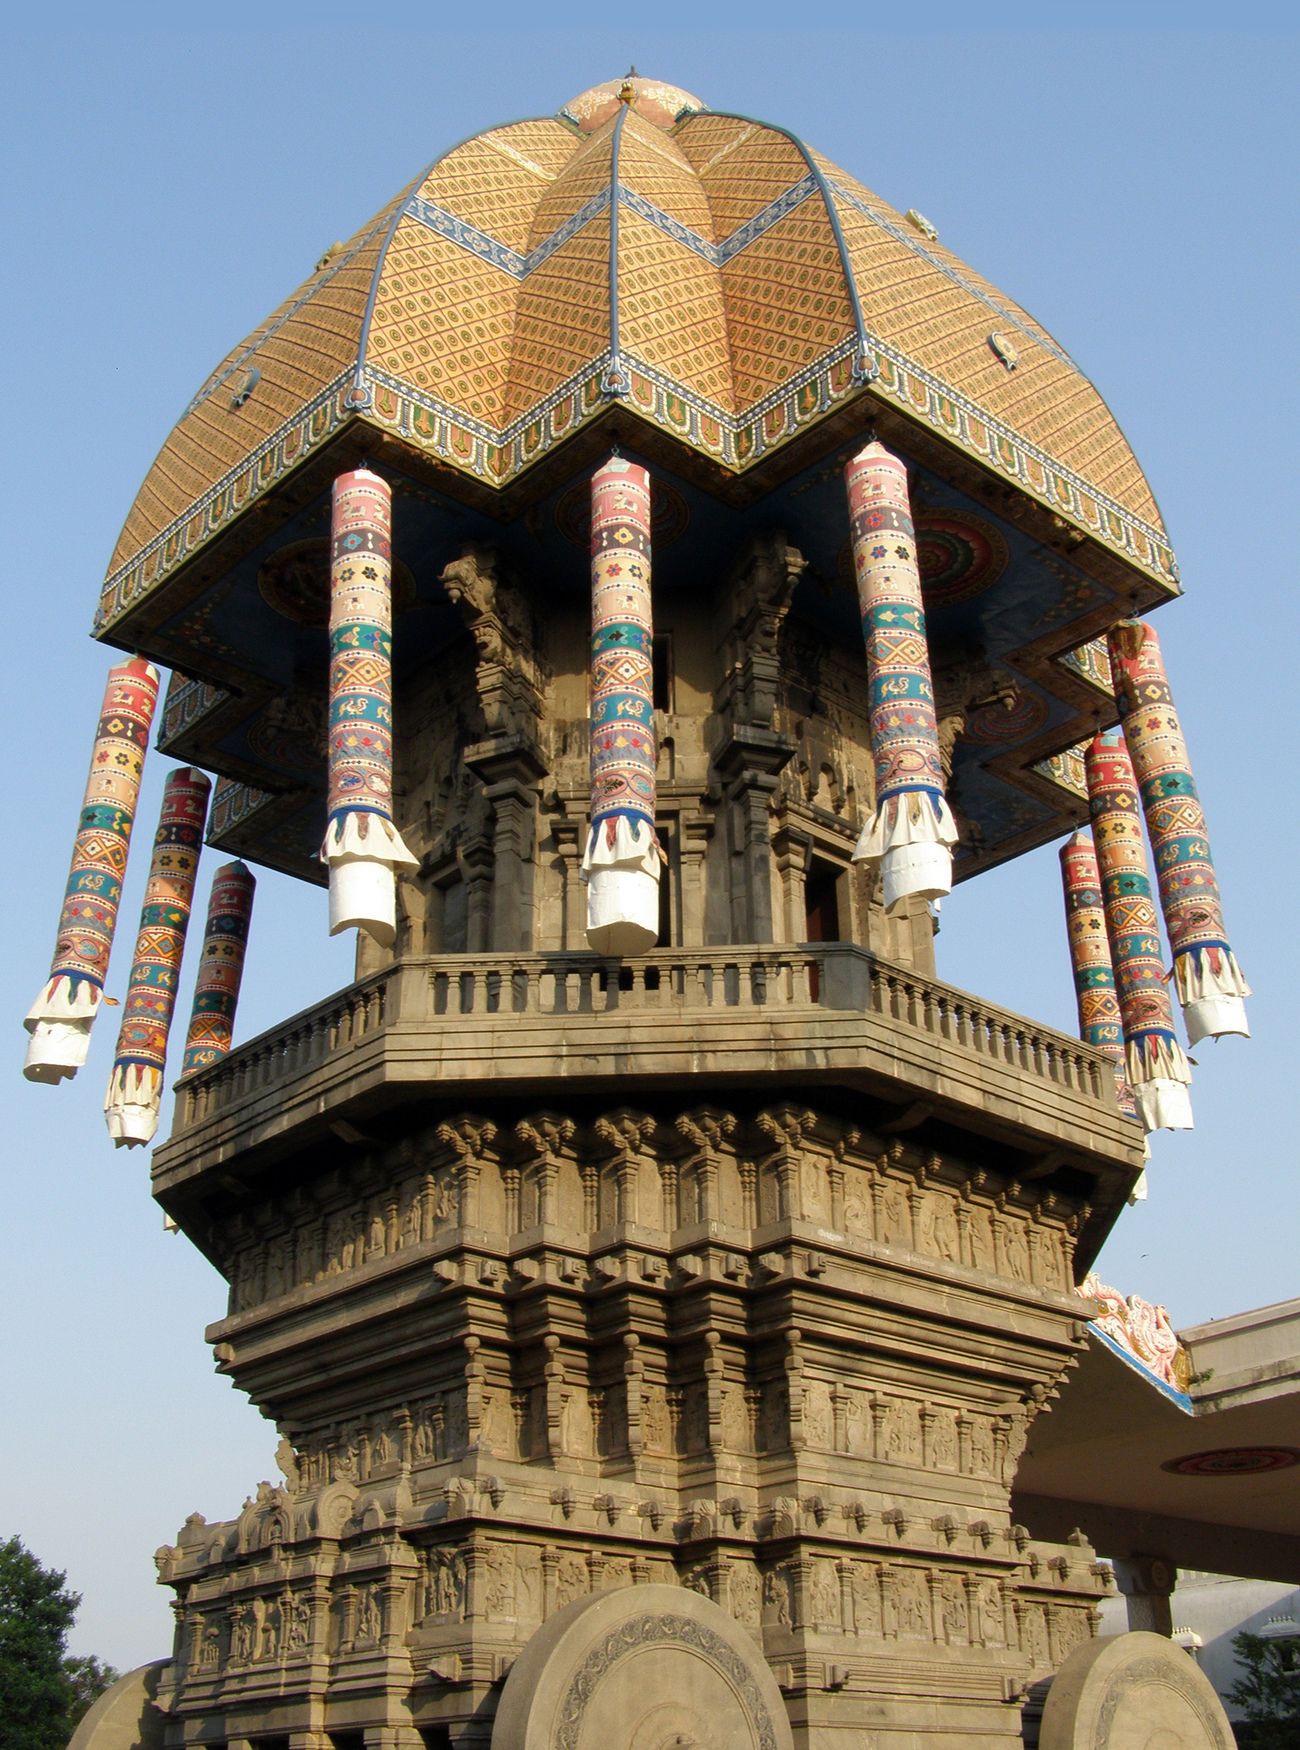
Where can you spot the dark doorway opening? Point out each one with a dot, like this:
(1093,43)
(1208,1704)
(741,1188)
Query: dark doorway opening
(821,903)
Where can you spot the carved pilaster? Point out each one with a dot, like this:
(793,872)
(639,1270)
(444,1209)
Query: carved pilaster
(785,1128)
(625,1134)
(703,1132)
(468,1138)
(542,1139)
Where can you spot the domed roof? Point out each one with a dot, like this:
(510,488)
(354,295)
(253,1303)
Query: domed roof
(709,275)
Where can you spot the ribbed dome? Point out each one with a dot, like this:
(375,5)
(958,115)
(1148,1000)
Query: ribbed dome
(710,273)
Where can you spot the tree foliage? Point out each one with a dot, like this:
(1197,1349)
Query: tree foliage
(42,1693)
(1268,1691)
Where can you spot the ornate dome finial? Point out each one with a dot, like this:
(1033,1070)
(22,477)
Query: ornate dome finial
(652,99)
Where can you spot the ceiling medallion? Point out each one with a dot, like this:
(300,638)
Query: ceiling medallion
(669,514)
(295,581)
(959,555)
(1233,1461)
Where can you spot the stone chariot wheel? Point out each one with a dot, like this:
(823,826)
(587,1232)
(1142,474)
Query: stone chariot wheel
(641,1668)
(1135,1691)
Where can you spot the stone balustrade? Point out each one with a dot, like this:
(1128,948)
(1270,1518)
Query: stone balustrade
(532,1019)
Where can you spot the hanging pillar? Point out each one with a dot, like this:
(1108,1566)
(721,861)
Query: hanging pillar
(135,1086)
(1208,981)
(1158,1070)
(362,846)
(221,967)
(912,832)
(622,859)
(60,1019)
(1100,1023)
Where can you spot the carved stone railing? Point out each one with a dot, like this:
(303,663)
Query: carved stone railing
(716,1010)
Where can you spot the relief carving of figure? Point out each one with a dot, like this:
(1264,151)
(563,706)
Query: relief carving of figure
(825,1598)
(944,1440)
(243,1640)
(856,1424)
(866,1598)
(368,1623)
(897,1228)
(735,1420)
(571,1580)
(776,1597)
(423,1437)
(528,1584)
(817,1418)
(272,1630)
(500,1590)
(816,1206)
(981,1446)
(445,1593)
(954,1608)
(300,1625)
(654,1419)
(981,1239)
(746,1594)
(1015,1248)
(912,1602)
(990,1605)
(210,1647)
(1034,1632)
(857,1223)
(444,1201)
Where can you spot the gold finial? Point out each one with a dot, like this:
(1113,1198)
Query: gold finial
(627,90)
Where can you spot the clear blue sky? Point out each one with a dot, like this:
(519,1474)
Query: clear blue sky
(1135,190)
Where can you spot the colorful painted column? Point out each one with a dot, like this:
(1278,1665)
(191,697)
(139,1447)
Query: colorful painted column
(912,832)
(362,846)
(1210,984)
(1100,1023)
(134,1096)
(60,1019)
(221,967)
(621,862)
(1158,1070)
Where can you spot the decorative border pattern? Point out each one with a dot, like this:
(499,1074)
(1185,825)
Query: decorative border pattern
(1167,1674)
(1091,663)
(640,1631)
(314,422)
(488,248)
(188,701)
(234,804)
(1065,770)
(738,442)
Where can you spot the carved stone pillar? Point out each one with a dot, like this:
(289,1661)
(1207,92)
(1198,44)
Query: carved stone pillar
(1147,1583)
(693,849)
(751,761)
(568,839)
(476,868)
(793,852)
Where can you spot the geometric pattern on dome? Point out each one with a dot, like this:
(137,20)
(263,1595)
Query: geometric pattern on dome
(714,277)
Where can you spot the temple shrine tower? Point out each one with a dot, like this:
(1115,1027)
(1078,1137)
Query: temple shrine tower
(653,1268)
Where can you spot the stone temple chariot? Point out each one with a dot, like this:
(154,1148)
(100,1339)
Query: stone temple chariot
(654,1271)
